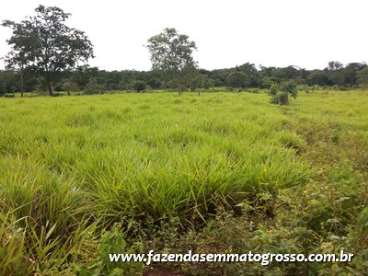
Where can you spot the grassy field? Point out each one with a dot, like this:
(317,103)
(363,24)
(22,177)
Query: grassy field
(82,176)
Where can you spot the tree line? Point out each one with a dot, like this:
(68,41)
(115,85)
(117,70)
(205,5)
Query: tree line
(48,55)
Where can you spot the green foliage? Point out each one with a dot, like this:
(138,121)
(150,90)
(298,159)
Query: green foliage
(44,42)
(237,80)
(289,87)
(362,77)
(280,92)
(139,86)
(93,87)
(351,75)
(170,51)
(69,86)
(154,83)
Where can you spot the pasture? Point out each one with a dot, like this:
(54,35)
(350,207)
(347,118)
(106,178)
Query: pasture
(162,170)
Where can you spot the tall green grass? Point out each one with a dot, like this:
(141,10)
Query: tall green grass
(153,156)
(69,163)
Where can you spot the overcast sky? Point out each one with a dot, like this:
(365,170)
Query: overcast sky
(305,33)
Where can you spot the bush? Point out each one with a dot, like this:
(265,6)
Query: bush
(69,86)
(155,83)
(237,80)
(273,89)
(280,92)
(290,88)
(254,90)
(93,87)
(281,98)
(58,94)
(139,86)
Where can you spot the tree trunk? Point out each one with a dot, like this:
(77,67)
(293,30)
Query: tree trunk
(50,88)
(21,83)
(283,98)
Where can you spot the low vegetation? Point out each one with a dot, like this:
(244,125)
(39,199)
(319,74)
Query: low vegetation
(83,176)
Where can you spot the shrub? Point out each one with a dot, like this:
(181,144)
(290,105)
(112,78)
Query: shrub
(139,86)
(283,98)
(237,80)
(93,87)
(69,86)
(280,92)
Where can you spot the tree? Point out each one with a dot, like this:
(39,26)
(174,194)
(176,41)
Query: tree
(252,74)
(45,43)
(2,87)
(139,86)
(69,85)
(171,54)
(318,77)
(83,74)
(170,51)
(334,65)
(93,87)
(362,77)
(350,73)
(237,80)
(21,44)
(154,83)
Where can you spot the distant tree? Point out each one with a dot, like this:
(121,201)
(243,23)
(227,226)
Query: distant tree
(185,78)
(350,73)
(9,82)
(44,42)
(154,83)
(16,61)
(2,87)
(69,85)
(237,79)
(362,77)
(93,87)
(336,77)
(21,44)
(253,76)
(334,65)
(139,86)
(318,77)
(171,53)
(196,82)
(83,74)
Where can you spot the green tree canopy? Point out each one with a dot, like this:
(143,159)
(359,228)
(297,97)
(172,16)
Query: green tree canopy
(362,77)
(45,43)
(171,51)
(171,54)
(237,79)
